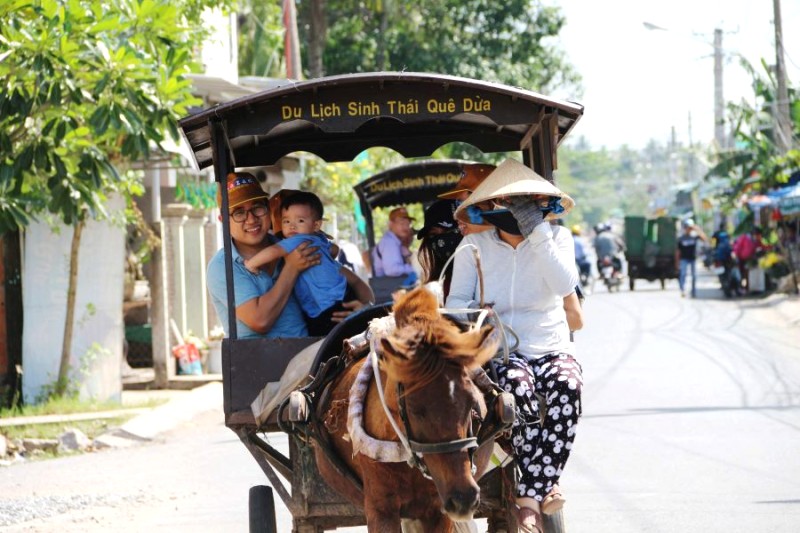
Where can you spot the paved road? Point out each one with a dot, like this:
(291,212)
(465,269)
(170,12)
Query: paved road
(691,423)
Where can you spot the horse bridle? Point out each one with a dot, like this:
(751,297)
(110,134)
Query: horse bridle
(500,414)
(418,449)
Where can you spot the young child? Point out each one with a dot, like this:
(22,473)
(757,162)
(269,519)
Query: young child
(322,288)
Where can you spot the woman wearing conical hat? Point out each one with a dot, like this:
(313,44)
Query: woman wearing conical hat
(528,270)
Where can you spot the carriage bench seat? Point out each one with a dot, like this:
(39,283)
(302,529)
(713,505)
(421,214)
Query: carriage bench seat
(249,364)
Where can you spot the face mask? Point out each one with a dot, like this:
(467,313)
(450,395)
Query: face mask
(503,220)
(445,244)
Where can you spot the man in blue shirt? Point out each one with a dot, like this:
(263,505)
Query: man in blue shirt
(322,289)
(391,257)
(265,304)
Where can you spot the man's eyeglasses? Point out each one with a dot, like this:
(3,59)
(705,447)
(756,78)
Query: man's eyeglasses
(240,214)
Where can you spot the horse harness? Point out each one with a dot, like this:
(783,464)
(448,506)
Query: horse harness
(500,412)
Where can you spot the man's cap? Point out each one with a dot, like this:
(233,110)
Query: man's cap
(512,178)
(242,187)
(438,215)
(472,175)
(398,213)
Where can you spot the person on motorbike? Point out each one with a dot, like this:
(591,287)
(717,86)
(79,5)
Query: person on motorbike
(724,263)
(581,259)
(608,244)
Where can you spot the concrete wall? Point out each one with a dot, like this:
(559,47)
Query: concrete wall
(98,310)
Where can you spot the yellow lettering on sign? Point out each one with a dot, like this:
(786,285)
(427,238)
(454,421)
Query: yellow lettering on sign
(442,179)
(289,112)
(325,110)
(477,104)
(360,109)
(436,106)
(397,107)
(396,185)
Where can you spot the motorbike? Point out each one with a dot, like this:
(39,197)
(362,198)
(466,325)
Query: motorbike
(729,278)
(584,274)
(610,273)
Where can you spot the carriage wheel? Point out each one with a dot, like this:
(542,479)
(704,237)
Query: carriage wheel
(262,510)
(554,523)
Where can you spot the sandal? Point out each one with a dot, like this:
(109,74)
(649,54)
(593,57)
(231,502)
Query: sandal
(554,501)
(528,520)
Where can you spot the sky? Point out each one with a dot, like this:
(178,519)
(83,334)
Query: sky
(638,84)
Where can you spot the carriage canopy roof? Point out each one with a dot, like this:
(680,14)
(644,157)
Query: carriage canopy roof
(337,117)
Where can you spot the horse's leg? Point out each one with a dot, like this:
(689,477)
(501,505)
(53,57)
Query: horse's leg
(381,520)
(381,501)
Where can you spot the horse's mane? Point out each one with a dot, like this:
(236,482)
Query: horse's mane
(424,342)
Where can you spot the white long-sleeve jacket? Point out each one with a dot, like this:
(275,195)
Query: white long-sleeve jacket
(526,285)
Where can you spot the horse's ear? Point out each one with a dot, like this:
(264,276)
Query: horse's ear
(391,352)
(484,343)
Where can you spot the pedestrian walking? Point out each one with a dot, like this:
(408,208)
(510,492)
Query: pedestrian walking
(686,254)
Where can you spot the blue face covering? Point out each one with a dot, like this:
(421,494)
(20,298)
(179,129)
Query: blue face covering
(553,206)
(475,215)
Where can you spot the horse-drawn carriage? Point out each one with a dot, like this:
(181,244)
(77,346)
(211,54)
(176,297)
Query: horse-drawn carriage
(336,118)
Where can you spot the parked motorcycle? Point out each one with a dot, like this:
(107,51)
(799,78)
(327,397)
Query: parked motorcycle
(729,278)
(724,266)
(610,273)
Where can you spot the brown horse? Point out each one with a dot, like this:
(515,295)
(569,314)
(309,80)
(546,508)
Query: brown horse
(426,365)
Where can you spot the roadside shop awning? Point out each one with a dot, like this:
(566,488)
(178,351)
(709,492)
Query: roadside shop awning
(789,203)
(759,201)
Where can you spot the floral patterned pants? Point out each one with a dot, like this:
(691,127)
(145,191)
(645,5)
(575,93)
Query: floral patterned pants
(542,447)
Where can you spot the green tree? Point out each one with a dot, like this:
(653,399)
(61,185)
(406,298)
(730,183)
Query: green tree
(88,86)
(757,154)
(261,39)
(509,42)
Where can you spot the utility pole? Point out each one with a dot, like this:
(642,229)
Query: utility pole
(782,118)
(719,102)
(291,43)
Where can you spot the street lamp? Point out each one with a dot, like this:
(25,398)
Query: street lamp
(719,102)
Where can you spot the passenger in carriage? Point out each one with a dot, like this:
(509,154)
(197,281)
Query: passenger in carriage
(473,175)
(265,303)
(391,256)
(322,290)
(440,238)
(528,269)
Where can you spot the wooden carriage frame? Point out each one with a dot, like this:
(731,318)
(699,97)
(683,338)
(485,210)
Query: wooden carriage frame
(336,118)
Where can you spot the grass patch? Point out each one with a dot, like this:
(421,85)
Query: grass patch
(92,428)
(65,406)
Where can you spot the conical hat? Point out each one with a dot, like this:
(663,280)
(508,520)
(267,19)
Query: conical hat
(512,178)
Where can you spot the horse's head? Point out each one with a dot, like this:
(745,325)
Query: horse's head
(431,360)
